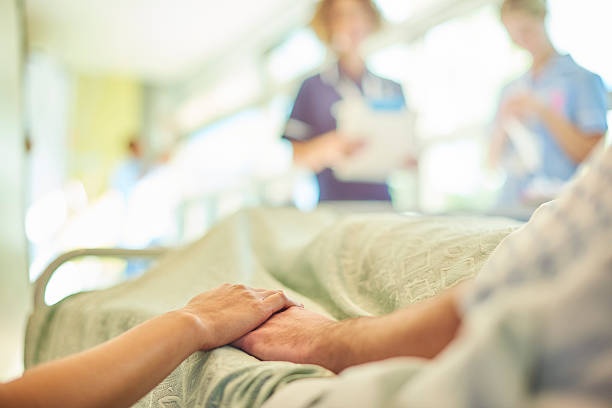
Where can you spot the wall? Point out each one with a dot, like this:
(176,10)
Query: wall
(46,109)
(14,290)
(107,111)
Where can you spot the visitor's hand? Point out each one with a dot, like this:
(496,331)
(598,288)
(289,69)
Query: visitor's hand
(224,314)
(325,150)
(294,335)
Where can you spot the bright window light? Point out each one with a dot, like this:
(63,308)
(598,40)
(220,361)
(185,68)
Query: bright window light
(452,177)
(238,88)
(582,29)
(456,73)
(232,153)
(46,217)
(391,62)
(301,53)
(87,274)
(452,78)
(396,11)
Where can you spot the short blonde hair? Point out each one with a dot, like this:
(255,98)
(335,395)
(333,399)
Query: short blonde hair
(534,8)
(320,22)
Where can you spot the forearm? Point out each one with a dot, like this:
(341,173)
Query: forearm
(422,330)
(302,155)
(310,154)
(114,374)
(576,144)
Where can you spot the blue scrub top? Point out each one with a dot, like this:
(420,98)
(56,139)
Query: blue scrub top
(312,116)
(577,94)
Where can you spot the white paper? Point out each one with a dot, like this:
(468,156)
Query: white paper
(387,136)
(525,143)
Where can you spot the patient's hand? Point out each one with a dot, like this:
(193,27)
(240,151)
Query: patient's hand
(228,312)
(292,335)
(301,336)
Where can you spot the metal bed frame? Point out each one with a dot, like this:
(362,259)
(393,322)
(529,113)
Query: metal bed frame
(40,285)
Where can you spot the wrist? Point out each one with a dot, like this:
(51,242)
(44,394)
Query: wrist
(196,332)
(324,345)
(335,346)
(306,154)
(301,154)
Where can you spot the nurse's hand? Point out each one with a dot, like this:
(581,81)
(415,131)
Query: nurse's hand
(521,105)
(225,314)
(324,151)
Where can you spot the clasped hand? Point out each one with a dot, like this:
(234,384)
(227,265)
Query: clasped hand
(227,313)
(264,323)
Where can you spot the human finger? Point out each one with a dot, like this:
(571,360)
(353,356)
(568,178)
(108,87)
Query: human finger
(260,290)
(353,147)
(278,301)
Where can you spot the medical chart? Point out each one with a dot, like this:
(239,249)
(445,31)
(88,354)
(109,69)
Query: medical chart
(388,139)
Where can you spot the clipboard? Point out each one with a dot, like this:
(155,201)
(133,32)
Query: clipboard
(388,138)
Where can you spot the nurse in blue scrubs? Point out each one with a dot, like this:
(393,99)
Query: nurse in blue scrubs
(563,105)
(343,25)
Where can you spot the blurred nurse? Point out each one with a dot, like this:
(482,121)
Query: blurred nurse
(343,25)
(561,106)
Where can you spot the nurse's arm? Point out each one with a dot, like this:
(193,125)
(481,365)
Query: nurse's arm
(576,143)
(323,150)
(120,372)
(496,147)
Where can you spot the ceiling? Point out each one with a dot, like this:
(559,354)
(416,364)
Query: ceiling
(157,40)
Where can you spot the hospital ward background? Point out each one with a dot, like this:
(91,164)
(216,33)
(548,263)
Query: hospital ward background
(130,129)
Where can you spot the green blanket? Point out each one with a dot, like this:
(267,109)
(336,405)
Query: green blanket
(339,266)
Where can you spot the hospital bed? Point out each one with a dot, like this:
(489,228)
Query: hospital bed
(338,265)
(40,285)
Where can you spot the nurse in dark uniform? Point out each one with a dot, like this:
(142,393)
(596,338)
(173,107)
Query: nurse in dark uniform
(343,25)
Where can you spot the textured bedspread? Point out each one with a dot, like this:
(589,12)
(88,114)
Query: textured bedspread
(360,265)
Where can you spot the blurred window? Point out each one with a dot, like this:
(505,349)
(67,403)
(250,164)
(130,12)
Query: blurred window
(299,54)
(237,89)
(397,11)
(454,74)
(583,29)
(452,77)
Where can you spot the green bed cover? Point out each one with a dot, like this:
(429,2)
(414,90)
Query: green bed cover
(338,265)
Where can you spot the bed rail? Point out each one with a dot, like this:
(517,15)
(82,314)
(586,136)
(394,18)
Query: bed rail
(40,286)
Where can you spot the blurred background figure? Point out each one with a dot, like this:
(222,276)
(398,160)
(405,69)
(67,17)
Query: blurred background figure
(343,25)
(550,118)
(131,169)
